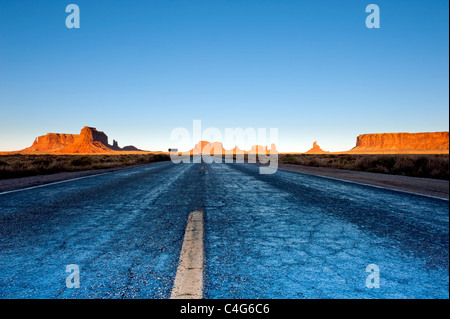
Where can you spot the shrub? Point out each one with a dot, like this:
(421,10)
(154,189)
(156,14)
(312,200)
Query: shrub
(429,166)
(82,161)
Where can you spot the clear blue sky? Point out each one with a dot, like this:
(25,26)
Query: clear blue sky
(138,69)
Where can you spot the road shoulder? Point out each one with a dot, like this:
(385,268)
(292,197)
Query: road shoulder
(13,184)
(423,186)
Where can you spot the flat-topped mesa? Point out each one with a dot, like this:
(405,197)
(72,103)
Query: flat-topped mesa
(52,142)
(89,141)
(402,143)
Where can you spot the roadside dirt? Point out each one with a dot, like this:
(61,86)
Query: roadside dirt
(30,181)
(425,186)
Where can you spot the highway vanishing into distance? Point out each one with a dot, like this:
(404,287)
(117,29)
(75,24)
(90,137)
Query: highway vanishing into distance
(286,235)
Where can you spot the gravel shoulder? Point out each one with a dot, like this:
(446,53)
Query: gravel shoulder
(424,186)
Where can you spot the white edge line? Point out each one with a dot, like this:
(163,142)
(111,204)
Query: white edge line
(71,179)
(364,184)
(54,183)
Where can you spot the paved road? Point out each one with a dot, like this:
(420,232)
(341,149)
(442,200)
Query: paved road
(286,235)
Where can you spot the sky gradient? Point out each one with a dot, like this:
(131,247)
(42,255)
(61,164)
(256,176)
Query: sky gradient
(138,69)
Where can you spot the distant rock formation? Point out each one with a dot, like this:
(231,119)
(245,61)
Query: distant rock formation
(115,146)
(89,141)
(216,148)
(234,151)
(402,143)
(52,142)
(205,147)
(316,150)
(131,148)
(260,149)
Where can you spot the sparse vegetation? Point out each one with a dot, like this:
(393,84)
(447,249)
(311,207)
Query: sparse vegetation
(429,166)
(82,161)
(12,166)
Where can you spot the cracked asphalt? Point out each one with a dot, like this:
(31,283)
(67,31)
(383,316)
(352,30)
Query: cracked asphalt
(286,235)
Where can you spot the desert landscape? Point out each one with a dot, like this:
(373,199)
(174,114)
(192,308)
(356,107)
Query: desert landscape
(89,141)
(242,158)
(409,154)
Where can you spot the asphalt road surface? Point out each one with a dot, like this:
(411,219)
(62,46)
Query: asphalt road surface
(286,235)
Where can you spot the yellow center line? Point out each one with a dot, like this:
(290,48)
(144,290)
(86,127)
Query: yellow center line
(189,279)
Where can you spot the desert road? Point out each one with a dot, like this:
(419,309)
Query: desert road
(286,235)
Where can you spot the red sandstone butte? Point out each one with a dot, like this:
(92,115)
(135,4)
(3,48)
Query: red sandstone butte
(216,148)
(402,143)
(316,150)
(89,141)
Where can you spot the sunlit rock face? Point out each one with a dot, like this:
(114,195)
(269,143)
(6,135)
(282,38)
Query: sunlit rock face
(316,150)
(89,141)
(52,142)
(216,148)
(436,142)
